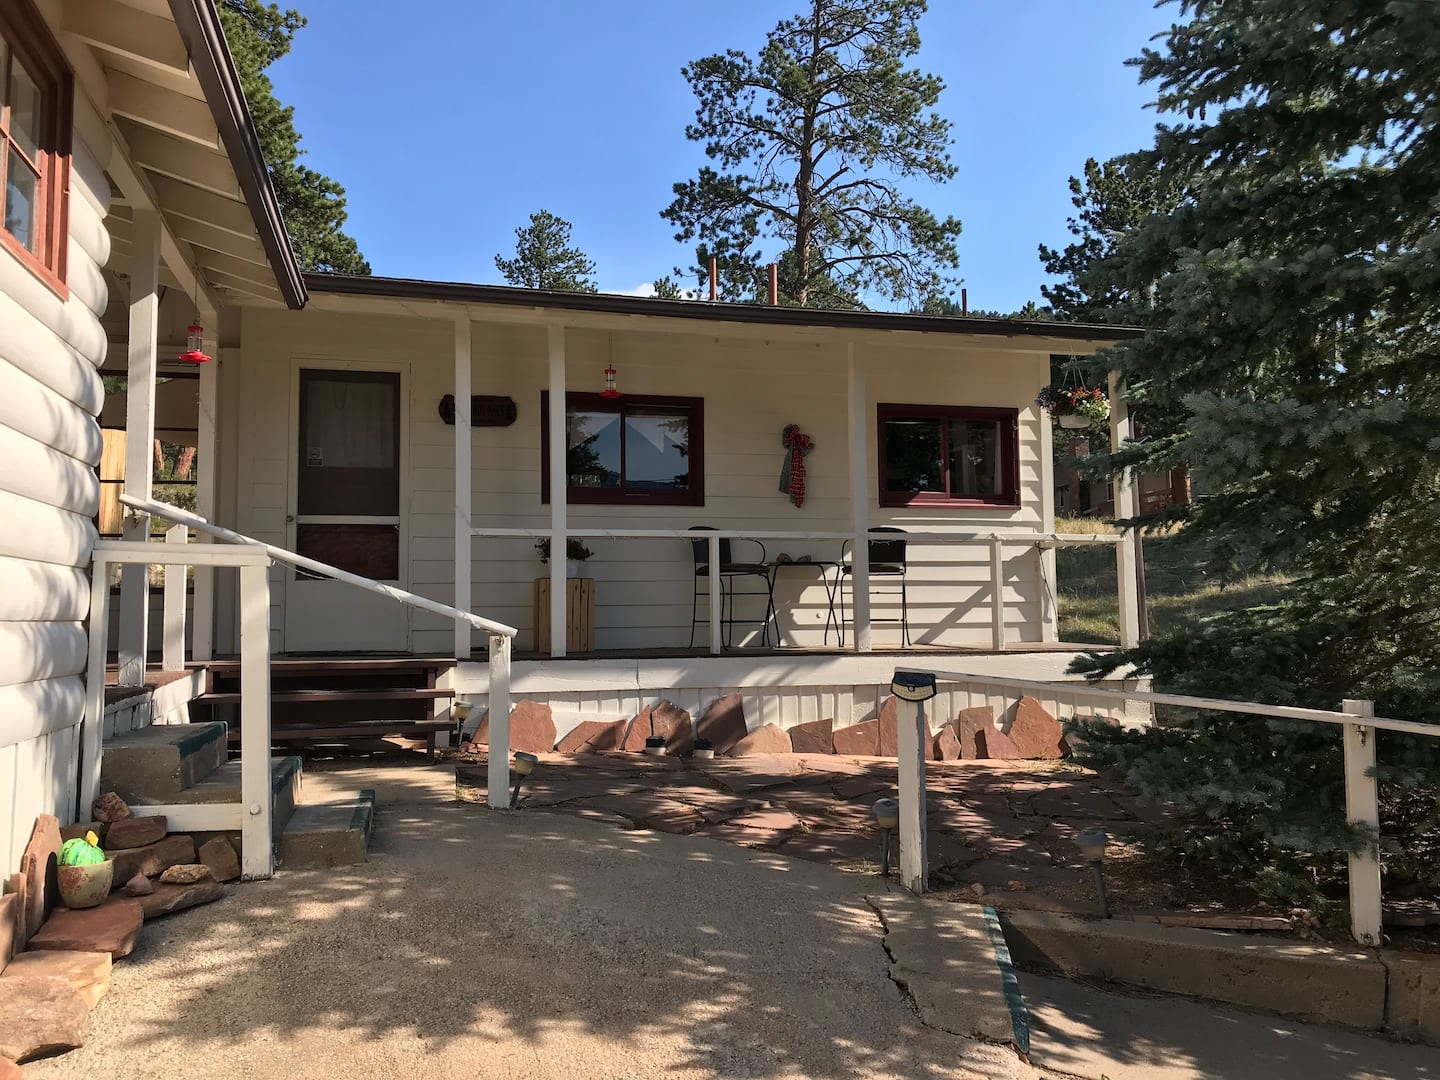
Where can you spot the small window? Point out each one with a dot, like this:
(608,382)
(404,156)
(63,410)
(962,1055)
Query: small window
(35,87)
(940,455)
(632,449)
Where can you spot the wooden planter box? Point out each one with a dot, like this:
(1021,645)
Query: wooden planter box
(579,615)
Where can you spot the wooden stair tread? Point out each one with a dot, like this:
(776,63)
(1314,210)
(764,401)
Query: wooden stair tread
(356,727)
(285,697)
(336,665)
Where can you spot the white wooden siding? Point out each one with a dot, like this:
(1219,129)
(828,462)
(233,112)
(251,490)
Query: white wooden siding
(751,388)
(50,395)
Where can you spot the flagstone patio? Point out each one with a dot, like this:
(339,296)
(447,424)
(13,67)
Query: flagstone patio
(999,829)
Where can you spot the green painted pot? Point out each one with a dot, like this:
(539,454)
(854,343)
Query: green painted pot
(87,885)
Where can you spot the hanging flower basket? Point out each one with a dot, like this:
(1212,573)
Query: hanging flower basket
(1076,408)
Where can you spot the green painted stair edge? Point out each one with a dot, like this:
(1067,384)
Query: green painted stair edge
(363,817)
(281,774)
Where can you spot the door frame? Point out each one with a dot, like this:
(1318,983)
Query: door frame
(316,362)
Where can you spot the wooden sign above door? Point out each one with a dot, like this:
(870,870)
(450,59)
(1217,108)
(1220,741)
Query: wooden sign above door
(485,410)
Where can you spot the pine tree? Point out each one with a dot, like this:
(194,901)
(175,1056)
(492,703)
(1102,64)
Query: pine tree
(1292,306)
(808,138)
(544,258)
(312,204)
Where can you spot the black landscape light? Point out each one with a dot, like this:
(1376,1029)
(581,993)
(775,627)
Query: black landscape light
(887,819)
(523,765)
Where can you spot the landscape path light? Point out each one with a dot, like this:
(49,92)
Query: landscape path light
(887,818)
(1092,844)
(523,765)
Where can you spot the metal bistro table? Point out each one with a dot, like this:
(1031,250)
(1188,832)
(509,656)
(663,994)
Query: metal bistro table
(832,588)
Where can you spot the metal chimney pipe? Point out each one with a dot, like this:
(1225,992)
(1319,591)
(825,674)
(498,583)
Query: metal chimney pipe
(774,285)
(964,301)
(714,279)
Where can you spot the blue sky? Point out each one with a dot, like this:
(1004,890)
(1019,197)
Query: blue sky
(448,129)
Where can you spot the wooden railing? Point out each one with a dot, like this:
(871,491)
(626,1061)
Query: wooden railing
(501,636)
(1356,718)
(996,542)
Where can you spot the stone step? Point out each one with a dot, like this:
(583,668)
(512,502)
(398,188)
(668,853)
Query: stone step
(156,764)
(323,835)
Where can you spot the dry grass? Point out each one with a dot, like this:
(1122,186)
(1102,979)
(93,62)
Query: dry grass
(1185,584)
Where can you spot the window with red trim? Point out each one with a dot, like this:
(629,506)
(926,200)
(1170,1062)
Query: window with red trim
(35,103)
(943,455)
(631,449)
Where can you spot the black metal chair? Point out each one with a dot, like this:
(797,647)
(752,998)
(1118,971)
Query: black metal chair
(887,559)
(729,571)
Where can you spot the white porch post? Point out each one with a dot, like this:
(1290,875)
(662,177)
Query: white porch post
(139,437)
(558,491)
(1362,807)
(255,831)
(463,453)
(497,770)
(207,446)
(1127,505)
(172,641)
(1045,556)
(92,733)
(911,738)
(859,500)
(997,594)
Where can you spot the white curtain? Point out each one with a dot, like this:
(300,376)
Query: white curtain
(350,425)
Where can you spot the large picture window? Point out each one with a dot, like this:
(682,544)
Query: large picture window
(632,449)
(35,88)
(938,455)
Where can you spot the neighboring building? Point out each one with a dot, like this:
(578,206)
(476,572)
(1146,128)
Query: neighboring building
(137,203)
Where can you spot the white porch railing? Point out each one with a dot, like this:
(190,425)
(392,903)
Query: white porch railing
(254,557)
(1356,718)
(996,542)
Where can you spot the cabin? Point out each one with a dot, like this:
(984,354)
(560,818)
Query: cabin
(319,506)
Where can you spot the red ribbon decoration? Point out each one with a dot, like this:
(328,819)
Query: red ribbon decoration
(793,479)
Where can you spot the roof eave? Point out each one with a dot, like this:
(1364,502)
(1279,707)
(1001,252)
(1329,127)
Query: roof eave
(199,25)
(616,304)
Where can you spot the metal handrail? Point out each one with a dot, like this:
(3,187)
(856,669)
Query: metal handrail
(1042,539)
(195,521)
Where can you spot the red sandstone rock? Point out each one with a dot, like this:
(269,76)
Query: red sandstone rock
(88,973)
(112,927)
(577,739)
(40,1015)
(968,725)
(723,723)
(1035,733)
(858,739)
(186,874)
(994,743)
(153,858)
(219,855)
(139,885)
(889,740)
(169,898)
(109,808)
(666,720)
(770,739)
(816,737)
(947,744)
(531,728)
(37,866)
(133,832)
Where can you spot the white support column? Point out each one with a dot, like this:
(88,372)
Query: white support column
(172,645)
(1362,807)
(1045,556)
(558,491)
(498,768)
(139,437)
(716,638)
(464,447)
(912,737)
(997,594)
(859,500)
(92,733)
(1127,505)
(255,794)
(207,450)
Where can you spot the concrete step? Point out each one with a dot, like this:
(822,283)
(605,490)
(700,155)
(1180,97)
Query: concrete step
(323,835)
(223,786)
(158,763)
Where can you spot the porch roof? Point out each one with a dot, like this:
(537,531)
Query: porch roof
(180,140)
(754,314)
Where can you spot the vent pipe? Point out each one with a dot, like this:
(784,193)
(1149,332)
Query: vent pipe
(714,279)
(964,301)
(774,285)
